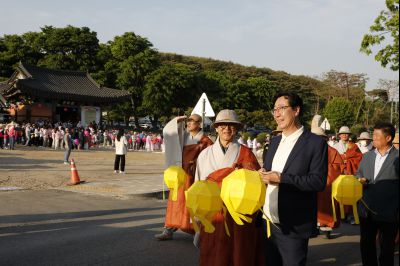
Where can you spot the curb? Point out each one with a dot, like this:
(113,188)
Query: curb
(93,190)
(157,195)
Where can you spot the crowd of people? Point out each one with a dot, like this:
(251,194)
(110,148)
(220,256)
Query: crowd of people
(47,135)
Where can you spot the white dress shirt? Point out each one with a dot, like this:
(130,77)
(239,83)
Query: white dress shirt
(278,163)
(379,160)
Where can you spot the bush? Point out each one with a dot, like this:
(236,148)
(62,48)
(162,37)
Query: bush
(261,138)
(340,112)
(357,129)
(246,136)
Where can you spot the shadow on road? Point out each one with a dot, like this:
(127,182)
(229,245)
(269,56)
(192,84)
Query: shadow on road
(334,254)
(95,240)
(10,162)
(5,219)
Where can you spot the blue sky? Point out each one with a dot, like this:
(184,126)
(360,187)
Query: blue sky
(306,37)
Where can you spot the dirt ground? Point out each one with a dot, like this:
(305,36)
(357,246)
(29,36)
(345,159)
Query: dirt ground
(42,168)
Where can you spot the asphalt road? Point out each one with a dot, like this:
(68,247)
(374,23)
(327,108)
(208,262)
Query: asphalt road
(52,227)
(49,227)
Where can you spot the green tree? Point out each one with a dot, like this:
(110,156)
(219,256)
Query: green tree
(385,30)
(170,87)
(68,48)
(340,112)
(15,48)
(262,93)
(216,84)
(133,59)
(106,69)
(343,84)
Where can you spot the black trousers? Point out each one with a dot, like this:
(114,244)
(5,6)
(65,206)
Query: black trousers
(368,230)
(281,249)
(119,159)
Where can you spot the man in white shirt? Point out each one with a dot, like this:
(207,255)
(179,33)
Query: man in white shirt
(295,169)
(379,172)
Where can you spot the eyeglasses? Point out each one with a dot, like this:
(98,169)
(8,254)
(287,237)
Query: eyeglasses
(193,121)
(279,109)
(224,126)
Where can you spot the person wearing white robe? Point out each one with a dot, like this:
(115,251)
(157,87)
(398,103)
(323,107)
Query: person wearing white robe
(177,140)
(226,152)
(365,142)
(250,143)
(255,144)
(148,143)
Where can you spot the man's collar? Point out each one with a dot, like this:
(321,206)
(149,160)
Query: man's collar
(386,152)
(294,135)
(194,136)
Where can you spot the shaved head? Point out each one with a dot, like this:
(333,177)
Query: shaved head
(195,117)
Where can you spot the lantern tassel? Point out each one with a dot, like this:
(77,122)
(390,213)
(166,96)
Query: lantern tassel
(237,217)
(208,226)
(226,225)
(355,213)
(174,196)
(269,222)
(194,223)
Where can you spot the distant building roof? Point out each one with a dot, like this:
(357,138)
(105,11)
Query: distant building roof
(52,84)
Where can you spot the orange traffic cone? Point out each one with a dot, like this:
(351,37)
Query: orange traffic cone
(74,175)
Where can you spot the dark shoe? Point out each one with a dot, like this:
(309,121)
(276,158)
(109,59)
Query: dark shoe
(165,235)
(327,234)
(325,231)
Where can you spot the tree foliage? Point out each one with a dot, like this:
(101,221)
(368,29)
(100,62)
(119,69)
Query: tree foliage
(133,58)
(340,112)
(169,87)
(344,84)
(385,31)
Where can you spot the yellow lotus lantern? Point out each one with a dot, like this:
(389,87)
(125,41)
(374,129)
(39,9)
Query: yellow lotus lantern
(347,190)
(243,193)
(203,201)
(174,177)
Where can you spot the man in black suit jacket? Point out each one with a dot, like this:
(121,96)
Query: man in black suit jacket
(379,172)
(295,169)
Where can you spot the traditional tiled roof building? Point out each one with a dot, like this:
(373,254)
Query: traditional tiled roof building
(56,95)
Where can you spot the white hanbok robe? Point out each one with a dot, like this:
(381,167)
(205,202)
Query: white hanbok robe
(213,158)
(175,138)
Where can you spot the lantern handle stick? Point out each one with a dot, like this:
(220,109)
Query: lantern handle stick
(334,209)
(366,206)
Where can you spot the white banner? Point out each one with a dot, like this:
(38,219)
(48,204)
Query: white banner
(90,114)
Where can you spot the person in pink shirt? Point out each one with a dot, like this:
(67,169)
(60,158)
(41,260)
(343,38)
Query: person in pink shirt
(11,134)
